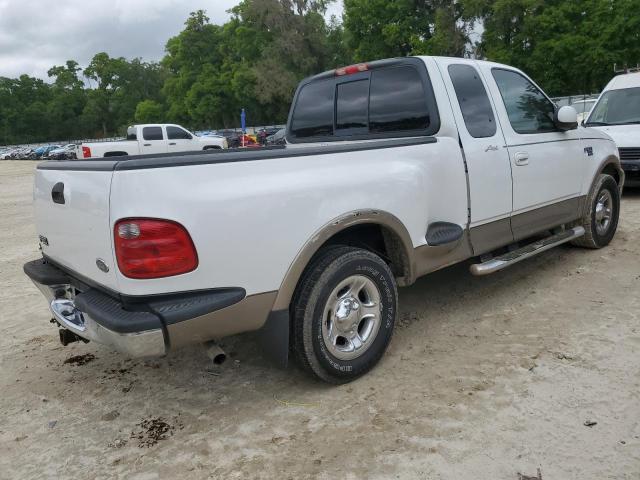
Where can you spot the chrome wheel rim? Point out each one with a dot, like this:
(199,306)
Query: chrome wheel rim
(351,317)
(604,210)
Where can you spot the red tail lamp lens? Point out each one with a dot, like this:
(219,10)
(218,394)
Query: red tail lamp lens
(150,248)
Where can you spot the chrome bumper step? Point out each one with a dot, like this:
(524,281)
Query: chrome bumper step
(528,251)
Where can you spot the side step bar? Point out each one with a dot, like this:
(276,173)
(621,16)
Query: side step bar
(508,259)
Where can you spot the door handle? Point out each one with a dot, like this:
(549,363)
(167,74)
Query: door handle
(147,144)
(172,143)
(521,158)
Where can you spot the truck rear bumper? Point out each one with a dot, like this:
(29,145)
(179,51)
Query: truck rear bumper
(135,326)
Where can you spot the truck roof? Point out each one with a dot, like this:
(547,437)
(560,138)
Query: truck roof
(390,61)
(627,80)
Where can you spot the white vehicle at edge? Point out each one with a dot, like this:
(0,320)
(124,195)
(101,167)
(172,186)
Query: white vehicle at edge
(152,139)
(583,107)
(617,113)
(393,169)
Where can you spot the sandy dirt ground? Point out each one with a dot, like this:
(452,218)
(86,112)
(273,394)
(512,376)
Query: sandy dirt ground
(485,378)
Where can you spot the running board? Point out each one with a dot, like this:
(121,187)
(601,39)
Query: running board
(508,259)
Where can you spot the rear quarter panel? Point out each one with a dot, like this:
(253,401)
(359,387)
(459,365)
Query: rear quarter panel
(98,149)
(249,219)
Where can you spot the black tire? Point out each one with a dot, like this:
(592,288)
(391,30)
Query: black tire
(332,266)
(594,237)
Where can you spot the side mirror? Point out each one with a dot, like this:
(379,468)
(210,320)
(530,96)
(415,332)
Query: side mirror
(566,118)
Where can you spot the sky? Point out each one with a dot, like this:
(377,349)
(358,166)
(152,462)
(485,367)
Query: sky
(37,34)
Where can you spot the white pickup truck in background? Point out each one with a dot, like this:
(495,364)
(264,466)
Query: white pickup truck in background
(152,139)
(617,113)
(393,169)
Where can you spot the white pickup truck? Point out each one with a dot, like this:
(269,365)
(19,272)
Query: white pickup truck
(393,169)
(152,139)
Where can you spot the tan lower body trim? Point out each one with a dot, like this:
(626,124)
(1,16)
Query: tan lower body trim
(535,221)
(245,316)
(428,259)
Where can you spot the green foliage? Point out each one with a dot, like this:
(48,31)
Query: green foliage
(567,46)
(380,28)
(256,59)
(149,111)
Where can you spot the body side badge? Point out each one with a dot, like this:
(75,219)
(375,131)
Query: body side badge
(588,151)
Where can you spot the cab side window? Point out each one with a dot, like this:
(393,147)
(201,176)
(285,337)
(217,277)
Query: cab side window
(473,100)
(528,109)
(175,133)
(152,133)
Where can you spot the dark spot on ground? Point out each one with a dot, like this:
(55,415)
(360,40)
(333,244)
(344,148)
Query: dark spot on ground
(153,430)
(80,359)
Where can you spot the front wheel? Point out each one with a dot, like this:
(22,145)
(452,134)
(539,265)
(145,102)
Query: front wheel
(344,312)
(600,221)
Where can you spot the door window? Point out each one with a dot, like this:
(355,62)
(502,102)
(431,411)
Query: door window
(528,109)
(152,133)
(175,133)
(473,100)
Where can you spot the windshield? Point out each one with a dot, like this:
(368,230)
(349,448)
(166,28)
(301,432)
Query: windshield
(617,107)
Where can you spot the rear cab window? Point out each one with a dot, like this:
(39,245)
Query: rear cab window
(390,99)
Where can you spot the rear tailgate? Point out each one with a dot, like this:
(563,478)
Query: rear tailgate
(72,217)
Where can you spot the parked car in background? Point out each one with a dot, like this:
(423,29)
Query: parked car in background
(19,153)
(583,107)
(393,169)
(265,133)
(153,138)
(68,152)
(617,113)
(278,138)
(44,150)
(233,137)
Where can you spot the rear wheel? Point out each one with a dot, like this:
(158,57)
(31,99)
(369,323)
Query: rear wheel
(600,221)
(343,313)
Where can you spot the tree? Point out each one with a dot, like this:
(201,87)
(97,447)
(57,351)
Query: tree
(67,102)
(380,29)
(149,111)
(568,47)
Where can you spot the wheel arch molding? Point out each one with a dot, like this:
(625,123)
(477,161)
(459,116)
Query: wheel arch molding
(397,247)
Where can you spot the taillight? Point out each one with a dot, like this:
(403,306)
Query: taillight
(351,69)
(152,248)
(86,152)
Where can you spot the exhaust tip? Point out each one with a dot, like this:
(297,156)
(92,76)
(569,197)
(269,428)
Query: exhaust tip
(215,353)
